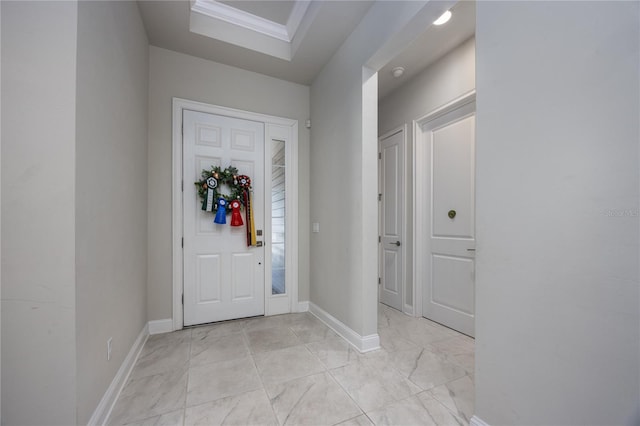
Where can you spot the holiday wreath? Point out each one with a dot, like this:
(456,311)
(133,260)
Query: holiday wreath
(209,187)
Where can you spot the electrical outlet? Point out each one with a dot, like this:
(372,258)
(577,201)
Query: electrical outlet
(109,348)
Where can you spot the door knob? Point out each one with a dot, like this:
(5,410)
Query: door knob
(397,243)
(451,214)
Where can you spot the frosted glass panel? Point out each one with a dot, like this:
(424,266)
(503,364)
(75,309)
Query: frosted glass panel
(277,217)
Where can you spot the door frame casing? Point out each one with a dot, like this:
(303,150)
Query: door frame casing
(274,128)
(422,193)
(403,232)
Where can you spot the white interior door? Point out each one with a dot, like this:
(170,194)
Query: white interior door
(449,296)
(223,278)
(391,172)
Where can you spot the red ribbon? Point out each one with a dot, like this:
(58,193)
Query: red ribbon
(247,213)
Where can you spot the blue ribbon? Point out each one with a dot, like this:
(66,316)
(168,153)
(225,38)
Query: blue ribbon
(221,214)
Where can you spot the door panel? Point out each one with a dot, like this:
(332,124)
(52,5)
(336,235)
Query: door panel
(242,276)
(391,219)
(390,280)
(457,272)
(453,189)
(223,278)
(208,280)
(449,288)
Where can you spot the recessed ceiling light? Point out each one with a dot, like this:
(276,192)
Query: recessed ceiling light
(443,19)
(397,72)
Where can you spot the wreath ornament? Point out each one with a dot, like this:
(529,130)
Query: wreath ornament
(210,186)
(210,189)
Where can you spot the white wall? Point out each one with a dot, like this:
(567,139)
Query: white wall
(111,192)
(38,212)
(445,80)
(344,166)
(450,77)
(0,219)
(177,75)
(557,212)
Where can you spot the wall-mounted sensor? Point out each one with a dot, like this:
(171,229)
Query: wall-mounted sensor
(397,72)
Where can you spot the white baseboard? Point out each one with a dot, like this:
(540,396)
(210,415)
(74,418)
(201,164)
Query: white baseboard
(477,421)
(408,309)
(103,411)
(161,326)
(361,343)
(303,306)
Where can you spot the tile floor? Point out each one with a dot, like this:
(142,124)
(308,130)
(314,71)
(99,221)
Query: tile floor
(292,369)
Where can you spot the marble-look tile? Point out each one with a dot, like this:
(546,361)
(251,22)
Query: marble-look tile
(383,320)
(150,396)
(212,348)
(420,409)
(271,339)
(458,396)
(362,420)
(334,352)
(210,382)
(251,408)
(389,317)
(174,418)
(286,364)
(310,329)
(453,346)
(372,385)
(466,361)
(164,353)
(218,329)
(379,359)
(239,368)
(459,350)
(165,338)
(425,368)
(392,341)
(312,400)
(297,318)
(451,332)
(421,333)
(275,321)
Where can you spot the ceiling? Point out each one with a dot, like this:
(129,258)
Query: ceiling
(288,39)
(276,11)
(433,44)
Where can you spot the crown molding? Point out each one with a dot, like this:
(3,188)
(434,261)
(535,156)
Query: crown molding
(240,18)
(295,18)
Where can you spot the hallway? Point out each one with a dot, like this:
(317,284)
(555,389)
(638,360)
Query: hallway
(292,369)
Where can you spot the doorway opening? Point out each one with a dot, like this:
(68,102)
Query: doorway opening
(266,269)
(438,70)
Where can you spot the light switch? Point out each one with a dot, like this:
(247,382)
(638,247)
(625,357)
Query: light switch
(316,227)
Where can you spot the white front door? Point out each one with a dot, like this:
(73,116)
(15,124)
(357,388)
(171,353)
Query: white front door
(391,172)
(449,296)
(223,277)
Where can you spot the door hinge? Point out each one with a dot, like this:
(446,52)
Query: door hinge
(379,280)
(182,129)
(379,197)
(379,156)
(183,298)
(379,239)
(182,242)
(182,186)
